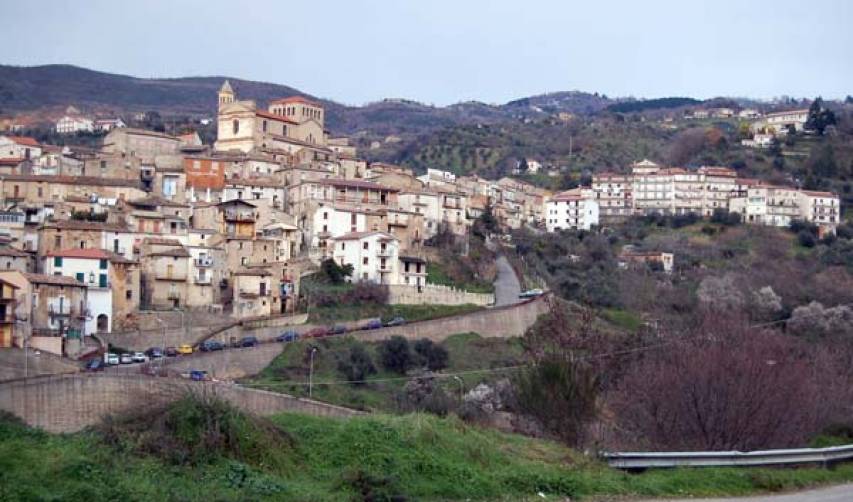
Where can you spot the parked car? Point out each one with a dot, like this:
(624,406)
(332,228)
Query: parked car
(198,375)
(248,341)
(338,329)
(318,332)
(154,352)
(185,349)
(288,336)
(211,345)
(372,324)
(111,359)
(139,357)
(95,365)
(397,321)
(126,358)
(531,293)
(171,352)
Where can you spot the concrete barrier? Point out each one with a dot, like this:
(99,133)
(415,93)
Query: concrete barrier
(69,403)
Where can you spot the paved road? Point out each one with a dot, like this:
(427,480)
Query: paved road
(841,493)
(507,287)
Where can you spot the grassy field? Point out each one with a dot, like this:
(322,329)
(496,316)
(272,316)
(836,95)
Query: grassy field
(437,275)
(379,457)
(289,371)
(410,312)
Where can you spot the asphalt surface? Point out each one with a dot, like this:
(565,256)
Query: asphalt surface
(507,287)
(840,493)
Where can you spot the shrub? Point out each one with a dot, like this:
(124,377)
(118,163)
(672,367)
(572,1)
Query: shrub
(396,355)
(335,273)
(357,364)
(806,239)
(433,356)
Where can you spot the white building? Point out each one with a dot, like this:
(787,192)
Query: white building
(778,206)
(573,209)
(19,147)
(779,122)
(72,124)
(373,256)
(92,268)
(107,125)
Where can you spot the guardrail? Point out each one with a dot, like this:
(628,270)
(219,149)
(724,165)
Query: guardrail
(641,460)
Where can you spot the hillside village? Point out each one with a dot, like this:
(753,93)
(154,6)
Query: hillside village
(153,222)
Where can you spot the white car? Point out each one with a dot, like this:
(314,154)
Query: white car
(126,358)
(111,359)
(139,357)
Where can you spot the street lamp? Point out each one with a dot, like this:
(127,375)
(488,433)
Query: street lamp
(311,373)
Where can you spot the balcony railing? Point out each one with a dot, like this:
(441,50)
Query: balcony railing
(173,295)
(177,275)
(204,261)
(387,253)
(203,280)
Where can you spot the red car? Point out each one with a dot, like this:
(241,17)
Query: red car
(319,332)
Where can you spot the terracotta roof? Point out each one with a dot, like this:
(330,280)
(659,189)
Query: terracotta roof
(273,116)
(356,184)
(73,180)
(177,252)
(819,194)
(156,200)
(24,140)
(249,271)
(11,162)
(161,241)
(88,253)
(54,280)
(354,236)
(295,99)
(86,225)
(12,252)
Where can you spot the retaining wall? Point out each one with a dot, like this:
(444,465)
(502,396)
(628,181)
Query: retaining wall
(69,403)
(436,294)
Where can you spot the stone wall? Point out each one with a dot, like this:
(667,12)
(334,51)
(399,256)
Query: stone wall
(436,294)
(69,403)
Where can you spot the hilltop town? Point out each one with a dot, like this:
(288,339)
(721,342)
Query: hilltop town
(97,239)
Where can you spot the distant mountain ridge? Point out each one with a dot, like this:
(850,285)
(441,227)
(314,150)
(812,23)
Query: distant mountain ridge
(26,89)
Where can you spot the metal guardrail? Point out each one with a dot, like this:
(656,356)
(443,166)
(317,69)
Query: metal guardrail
(641,460)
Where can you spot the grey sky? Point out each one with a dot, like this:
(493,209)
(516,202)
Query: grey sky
(440,51)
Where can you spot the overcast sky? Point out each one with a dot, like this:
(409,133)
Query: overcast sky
(439,51)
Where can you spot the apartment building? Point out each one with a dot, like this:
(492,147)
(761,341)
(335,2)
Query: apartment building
(573,209)
(778,206)
(373,255)
(613,194)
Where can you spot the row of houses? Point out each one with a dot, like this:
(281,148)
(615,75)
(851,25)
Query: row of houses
(650,188)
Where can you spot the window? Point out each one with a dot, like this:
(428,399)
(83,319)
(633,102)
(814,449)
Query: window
(236,126)
(82,244)
(57,261)
(365,245)
(102,281)
(264,126)
(81,277)
(102,265)
(57,241)
(128,294)
(325,216)
(364,261)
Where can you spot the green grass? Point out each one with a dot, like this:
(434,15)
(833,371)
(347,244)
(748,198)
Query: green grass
(623,319)
(410,312)
(436,274)
(288,372)
(420,457)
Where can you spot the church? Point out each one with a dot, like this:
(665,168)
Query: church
(292,125)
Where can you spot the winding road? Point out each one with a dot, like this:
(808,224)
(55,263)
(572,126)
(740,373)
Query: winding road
(507,287)
(840,493)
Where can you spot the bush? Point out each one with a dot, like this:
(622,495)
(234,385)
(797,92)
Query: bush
(433,356)
(806,239)
(396,355)
(335,273)
(724,217)
(357,365)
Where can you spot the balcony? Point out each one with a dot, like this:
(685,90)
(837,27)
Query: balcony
(174,275)
(385,253)
(246,293)
(57,310)
(204,261)
(239,216)
(173,295)
(204,281)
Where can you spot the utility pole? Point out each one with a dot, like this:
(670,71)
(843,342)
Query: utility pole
(311,373)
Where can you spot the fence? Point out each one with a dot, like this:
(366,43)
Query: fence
(436,294)
(641,460)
